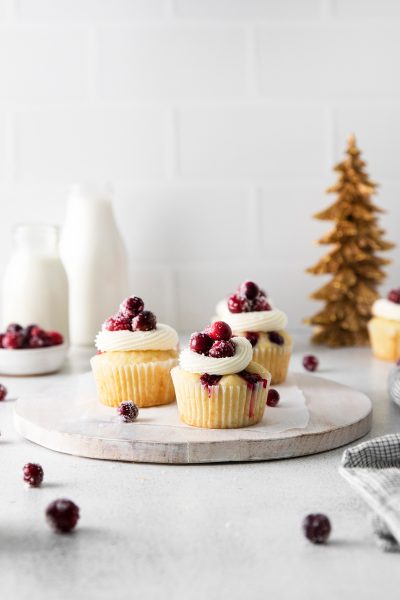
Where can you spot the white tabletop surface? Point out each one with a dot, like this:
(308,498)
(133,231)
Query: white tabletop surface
(190,532)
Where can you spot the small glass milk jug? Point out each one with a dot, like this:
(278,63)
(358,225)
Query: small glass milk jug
(35,285)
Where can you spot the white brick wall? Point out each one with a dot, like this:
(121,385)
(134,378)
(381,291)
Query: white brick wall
(218,121)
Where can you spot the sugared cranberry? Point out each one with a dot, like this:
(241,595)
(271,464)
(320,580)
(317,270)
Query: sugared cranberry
(117,323)
(144,321)
(33,474)
(39,342)
(317,528)
(249,290)
(62,515)
(220,331)
(260,304)
(14,328)
(394,296)
(222,349)
(132,306)
(200,343)
(273,397)
(252,336)
(55,337)
(13,340)
(238,304)
(207,380)
(128,412)
(276,338)
(310,362)
(3,392)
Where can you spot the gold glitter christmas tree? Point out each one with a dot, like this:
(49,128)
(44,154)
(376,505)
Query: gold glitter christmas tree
(353,261)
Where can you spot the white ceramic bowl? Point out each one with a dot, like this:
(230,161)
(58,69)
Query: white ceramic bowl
(36,361)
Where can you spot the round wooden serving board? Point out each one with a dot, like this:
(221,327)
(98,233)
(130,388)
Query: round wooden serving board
(59,419)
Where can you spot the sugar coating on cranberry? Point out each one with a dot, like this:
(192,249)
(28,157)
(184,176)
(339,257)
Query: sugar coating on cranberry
(273,397)
(317,528)
(238,304)
(276,338)
(62,515)
(200,342)
(13,340)
(131,307)
(222,349)
(144,321)
(3,392)
(33,474)
(220,331)
(117,322)
(252,336)
(310,362)
(394,296)
(260,304)
(128,411)
(249,290)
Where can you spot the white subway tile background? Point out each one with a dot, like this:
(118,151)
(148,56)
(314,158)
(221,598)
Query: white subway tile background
(218,122)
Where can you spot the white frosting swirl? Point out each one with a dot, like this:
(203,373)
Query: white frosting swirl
(163,337)
(198,363)
(386,309)
(263,320)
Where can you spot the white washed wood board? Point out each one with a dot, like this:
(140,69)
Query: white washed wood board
(59,419)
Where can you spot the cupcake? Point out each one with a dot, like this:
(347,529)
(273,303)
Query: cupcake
(250,314)
(135,357)
(384,327)
(217,384)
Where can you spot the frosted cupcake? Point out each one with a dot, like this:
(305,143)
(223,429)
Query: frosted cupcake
(250,314)
(135,357)
(384,327)
(216,383)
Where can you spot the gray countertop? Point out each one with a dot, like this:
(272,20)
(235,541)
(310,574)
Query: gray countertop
(209,531)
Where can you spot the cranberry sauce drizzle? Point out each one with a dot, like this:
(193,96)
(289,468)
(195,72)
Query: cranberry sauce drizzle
(208,381)
(252,379)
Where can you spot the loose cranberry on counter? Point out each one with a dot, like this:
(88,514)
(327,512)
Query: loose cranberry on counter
(273,397)
(276,338)
(207,380)
(238,304)
(33,474)
(13,340)
(117,323)
(62,515)
(200,343)
(144,321)
(222,349)
(3,392)
(261,303)
(394,296)
(131,307)
(128,412)
(220,331)
(249,290)
(252,336)
(317,528)
(310,362)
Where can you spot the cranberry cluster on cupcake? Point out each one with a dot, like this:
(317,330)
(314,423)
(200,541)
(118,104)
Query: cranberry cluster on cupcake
(217,384)
(384,327)
(135,357)
(250,314)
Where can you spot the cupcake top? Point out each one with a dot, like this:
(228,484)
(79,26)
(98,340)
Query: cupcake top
(134,328)
(216,352)
(388,308)
(249,309)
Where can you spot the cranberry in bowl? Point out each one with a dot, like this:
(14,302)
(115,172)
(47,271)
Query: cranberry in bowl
(31,350)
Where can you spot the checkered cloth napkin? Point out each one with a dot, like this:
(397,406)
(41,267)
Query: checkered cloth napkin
(373,469)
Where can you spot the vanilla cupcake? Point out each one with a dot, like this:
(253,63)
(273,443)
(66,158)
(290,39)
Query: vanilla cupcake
(384,327)
(250,314)
(135,358)
(217,385)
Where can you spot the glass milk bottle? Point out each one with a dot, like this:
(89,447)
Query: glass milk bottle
(96,262)
(35,286)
